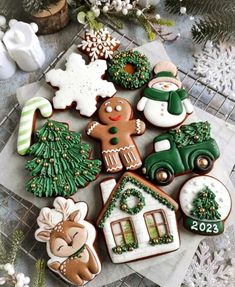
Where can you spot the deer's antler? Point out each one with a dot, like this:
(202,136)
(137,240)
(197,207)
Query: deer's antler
(64,206)
(45,217)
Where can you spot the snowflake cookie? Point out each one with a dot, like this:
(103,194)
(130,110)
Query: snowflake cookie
(80,83)
(99,44)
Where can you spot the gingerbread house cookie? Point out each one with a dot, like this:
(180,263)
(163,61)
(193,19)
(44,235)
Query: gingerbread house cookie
(138,219)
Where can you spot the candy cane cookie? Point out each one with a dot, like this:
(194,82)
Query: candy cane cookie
(27,119)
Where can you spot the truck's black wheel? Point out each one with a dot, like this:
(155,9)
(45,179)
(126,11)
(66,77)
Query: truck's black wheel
(203,164)
(163,176)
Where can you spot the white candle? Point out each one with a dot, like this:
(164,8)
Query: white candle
(7,65)
(24,47)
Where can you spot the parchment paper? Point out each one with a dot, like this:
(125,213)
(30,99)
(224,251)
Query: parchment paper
(166,270)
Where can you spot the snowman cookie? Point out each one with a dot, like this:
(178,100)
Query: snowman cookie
(114,132)
(205,203)
(164,103)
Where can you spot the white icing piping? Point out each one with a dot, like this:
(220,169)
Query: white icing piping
(114,168)
(134,165)
(118,149)
(138,127)
(92,128)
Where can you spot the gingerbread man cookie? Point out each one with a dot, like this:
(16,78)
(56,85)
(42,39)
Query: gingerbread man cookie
(114,132)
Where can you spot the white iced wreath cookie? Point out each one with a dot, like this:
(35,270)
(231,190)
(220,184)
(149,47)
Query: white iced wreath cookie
(80,83)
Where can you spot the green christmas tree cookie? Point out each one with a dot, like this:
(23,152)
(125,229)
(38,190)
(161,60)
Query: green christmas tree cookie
(61,162)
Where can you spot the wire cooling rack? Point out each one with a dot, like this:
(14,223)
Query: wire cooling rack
(21,214)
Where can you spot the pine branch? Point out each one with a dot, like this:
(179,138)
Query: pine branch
(215,30)
(16,239)
(201,7)
(39,280)
(147,27)
(113,21)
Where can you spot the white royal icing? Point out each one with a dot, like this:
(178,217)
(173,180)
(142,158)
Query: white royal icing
(138,126)
(139,225)
(162,145)
(99,44)
(92,128)
(118,149)
(80,83)
(194,185)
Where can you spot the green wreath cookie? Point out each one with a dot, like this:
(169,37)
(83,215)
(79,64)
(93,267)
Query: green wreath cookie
(129,69)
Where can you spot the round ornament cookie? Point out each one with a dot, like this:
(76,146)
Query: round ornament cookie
(61,163)
(179,151)
(115,132)
(205,203)
(129,69)
(70,241)
(165,103)
(81,84)
(99,44)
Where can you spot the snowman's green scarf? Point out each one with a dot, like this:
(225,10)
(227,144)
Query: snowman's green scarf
(173,98)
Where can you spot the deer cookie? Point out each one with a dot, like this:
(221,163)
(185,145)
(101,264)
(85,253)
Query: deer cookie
(69,238)
(115,133)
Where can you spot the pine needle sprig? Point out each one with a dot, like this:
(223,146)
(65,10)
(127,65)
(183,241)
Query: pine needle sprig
(16,240)
(39,280)
(214,30)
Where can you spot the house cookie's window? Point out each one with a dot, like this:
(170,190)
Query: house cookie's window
(124,236)
(157,225)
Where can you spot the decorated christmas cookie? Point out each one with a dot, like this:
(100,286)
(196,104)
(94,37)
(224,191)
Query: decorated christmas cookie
(99,44)
(138,219)
(61,163)
(27,119)
(129,69)
(164,103)
(69,239)
(189,148)
(115,133)
(205,203)
(81,84)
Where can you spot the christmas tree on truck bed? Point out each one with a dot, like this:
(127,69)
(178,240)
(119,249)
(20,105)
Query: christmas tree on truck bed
(61,162)
(191,134)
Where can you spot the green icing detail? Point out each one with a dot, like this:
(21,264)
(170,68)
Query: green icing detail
(113,130)
(205,206)
(118,194)
(142,72)
(165,239)
(191,134)
(186,144)
(114,141)
(204,227)
(173,98)
(125,248)
(61,162)
(124,198)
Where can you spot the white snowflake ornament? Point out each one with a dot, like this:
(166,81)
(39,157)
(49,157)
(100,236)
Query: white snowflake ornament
(216,64)
(99,44)
(80,83)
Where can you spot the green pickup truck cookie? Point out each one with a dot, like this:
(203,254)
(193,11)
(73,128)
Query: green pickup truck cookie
(189,148)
